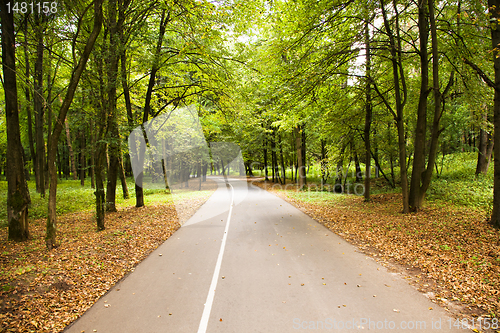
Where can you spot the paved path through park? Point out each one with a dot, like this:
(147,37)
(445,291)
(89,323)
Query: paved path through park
(248,261)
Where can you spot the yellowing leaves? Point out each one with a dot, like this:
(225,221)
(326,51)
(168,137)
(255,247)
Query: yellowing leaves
(45,291)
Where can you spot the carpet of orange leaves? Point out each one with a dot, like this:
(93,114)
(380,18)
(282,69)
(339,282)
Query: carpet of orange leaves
(44,291)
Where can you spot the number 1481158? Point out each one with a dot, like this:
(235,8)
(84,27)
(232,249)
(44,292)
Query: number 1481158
(32,7)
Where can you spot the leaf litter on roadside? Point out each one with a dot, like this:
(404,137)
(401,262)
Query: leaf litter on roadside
(44,291)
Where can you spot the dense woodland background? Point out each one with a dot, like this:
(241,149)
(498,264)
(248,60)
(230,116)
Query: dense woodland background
(396,96)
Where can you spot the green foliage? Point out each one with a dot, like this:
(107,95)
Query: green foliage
(312,196)
(71,197)
(457,184)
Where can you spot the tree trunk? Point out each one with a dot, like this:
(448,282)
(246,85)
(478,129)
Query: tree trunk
(71,153)
(485,148)
(123,179)
(28,108)
(18,197)
(368,114)
(415,196)
(99,181)
(359,174)
(205,167)
(273,158)
(58,127)
(265,160)
(283,170)
(299,140)
(114,139)
(340,166)
(323,163)
(39,108)
(400,97)
(438,107)
(139,193)
(495,39)
(82,158)
(92,155)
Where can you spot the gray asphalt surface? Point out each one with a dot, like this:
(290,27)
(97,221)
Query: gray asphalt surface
(278,271)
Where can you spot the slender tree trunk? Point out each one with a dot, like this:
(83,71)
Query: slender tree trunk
(400,97)
(484,149)
(299,141)
(273,158)
(48,110)
(494,5)
(123,179)
(71,153)
(114,139)
(489,150)
(18,197)
(359,174)
(58,127)
(28,107)
(205,167)
(82,158)
(92,155)
(139,193)
(303,147)
(39,108)
(323,163)
(340,165)
(265,160)
(368,114)
(283,170)
(99,181)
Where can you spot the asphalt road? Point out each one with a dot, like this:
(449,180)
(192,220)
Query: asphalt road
(248,261)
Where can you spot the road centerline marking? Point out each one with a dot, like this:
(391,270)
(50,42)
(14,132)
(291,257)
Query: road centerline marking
(215,278)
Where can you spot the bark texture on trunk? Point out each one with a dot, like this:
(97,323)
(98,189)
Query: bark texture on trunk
(368,114)
(114,135)
(494,6)
(39,108)
(18,197)
(420,131)
(485,148)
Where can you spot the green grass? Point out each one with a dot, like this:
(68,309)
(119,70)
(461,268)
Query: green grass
(458,185)
(455,185)
(72,197)
(312,196)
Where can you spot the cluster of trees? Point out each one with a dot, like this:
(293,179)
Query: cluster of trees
(95,70)
(384,83)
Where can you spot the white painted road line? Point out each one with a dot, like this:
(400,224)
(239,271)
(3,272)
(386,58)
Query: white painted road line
(211,292)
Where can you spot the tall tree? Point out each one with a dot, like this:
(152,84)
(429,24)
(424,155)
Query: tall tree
(114,136)
(494,10)
(18,197)
(400,93)
(165,18)
(50,237)
(368,112)
(39,103)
